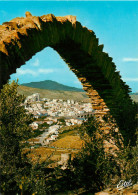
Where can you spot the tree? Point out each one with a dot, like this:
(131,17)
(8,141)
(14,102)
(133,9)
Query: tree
(14,128)
(17,173)
(94,169)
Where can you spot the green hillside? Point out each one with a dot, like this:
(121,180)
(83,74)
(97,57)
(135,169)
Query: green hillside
(54,94)
(51,85)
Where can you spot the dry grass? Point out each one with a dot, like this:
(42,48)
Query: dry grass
(68,142)
(33,140)
(42,154)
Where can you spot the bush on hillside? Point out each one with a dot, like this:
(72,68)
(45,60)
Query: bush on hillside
(14,128)
(93,169)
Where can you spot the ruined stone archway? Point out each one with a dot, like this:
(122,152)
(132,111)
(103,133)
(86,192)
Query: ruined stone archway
(22,37)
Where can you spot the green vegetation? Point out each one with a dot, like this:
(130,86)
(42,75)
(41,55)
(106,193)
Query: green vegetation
(17,174)
(62,120)
(127,121)
(37,132)
(43,126)
(14,128)
(95,169)
(91,170)
(92,167)
(52,85)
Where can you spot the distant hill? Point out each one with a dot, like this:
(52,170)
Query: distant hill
(136,93)
(54,94)
(51,85)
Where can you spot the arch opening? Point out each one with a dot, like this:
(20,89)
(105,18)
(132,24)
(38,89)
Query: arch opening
(46,65)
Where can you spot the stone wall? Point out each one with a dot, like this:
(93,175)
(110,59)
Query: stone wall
(21,38)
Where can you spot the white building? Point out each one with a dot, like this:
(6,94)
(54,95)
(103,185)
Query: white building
(53,128)
(34,125)
(33,98)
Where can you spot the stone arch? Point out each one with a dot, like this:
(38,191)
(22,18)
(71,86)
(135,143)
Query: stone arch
(22,37)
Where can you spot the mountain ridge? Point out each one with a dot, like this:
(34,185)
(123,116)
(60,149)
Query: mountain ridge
(51,85)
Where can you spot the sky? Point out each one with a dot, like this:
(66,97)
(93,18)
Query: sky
(115,23)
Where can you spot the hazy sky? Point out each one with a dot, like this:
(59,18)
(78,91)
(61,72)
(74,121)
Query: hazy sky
(114,23)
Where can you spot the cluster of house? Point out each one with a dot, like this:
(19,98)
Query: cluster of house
(62,108)
(71,112)
(36,109)
(55,107)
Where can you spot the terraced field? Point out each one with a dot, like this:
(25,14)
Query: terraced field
(68,141)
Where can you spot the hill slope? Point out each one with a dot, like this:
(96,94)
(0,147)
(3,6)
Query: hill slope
(54,94)
(51,85)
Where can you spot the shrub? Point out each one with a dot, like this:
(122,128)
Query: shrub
(14,128)
(94,169)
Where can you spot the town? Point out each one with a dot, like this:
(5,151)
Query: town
(53,114)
